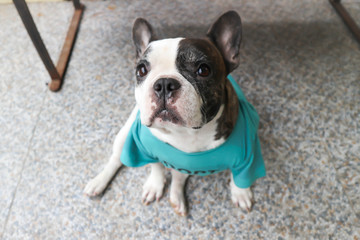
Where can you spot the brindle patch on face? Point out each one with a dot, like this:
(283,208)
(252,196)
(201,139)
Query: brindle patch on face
(191,54)
(228,118)
(215,90)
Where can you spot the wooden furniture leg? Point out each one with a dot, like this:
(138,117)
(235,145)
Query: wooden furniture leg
(350,23)
(56,73)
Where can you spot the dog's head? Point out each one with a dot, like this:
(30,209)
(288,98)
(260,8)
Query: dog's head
(181,81)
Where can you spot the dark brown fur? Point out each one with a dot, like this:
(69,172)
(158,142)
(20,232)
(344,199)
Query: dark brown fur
(215,90)
(228,118)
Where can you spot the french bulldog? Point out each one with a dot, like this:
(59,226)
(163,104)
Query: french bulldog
(186,115)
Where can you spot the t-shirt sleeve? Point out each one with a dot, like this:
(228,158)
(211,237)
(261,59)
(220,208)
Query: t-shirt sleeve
(133,153)
(251,168)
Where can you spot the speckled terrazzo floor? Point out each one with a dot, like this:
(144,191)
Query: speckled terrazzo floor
(299,67)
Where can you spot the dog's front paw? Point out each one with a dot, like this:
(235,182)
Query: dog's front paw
(95,186)
(177,202)
(153,189)
(242,197)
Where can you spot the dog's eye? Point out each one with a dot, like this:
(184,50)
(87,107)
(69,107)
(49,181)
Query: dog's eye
(141,70)
(203,70)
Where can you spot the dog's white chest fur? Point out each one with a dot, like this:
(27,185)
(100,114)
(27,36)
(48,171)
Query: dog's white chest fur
(190,140)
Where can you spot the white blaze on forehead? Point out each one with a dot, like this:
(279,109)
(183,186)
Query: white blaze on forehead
(163,55)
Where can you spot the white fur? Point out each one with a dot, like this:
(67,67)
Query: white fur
(177,196)
(154,185)
(188,139)
(241,197)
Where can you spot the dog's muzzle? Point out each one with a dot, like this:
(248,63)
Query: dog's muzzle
(166,94)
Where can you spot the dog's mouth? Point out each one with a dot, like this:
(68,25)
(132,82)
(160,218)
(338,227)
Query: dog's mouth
(166,114)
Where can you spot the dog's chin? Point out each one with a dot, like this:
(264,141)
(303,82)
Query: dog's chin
(166,117)
(163,117)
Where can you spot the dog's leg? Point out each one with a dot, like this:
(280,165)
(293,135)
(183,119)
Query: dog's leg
(177,196)
(241,197)
(154,185)
(99,183)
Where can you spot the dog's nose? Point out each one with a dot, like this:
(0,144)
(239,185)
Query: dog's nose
(164,87)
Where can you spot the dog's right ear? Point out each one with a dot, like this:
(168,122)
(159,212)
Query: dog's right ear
(142,35)
(225,33)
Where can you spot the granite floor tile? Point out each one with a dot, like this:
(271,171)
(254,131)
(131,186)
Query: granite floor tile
(345,155)
(303,191)
(312,116)
(18,119)
(10,169)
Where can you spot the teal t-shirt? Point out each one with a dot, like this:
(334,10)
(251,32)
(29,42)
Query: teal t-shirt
(241,152)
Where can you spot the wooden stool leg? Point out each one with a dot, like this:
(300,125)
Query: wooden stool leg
(77,4)
(68,45)
(34,34)
(56,73)
(345,16)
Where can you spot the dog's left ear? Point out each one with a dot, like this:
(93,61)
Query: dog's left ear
(225,33)
(142,34)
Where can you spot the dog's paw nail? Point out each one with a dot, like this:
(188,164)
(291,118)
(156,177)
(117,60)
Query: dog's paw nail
(95,186)
(91,194)
(179,208)
(143,201)
(152,190)
(242,198)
